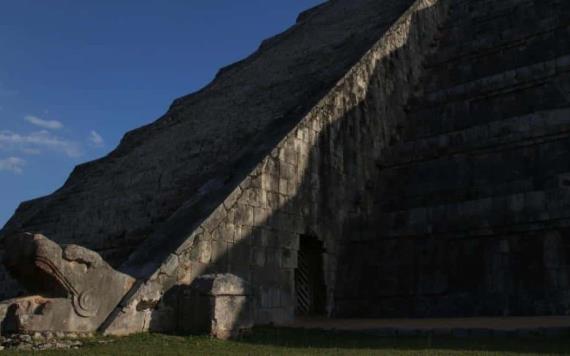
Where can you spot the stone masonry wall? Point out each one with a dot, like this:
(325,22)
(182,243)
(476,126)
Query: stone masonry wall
(472,203)
(314,182)
(166,177)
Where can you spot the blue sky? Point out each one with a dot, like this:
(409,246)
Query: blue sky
(75,75)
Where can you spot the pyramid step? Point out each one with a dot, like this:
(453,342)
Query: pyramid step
(485,86)
(534,209)
(531,165)
(456,44)
(545,47)
(502,29)
(475,11)
(518,130)
(534,41)
(491,18)
(438,192)
(549,94)
(444,195)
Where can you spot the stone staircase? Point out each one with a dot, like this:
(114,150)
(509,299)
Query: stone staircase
(473,200)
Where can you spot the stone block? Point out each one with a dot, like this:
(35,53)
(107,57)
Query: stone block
(288,171)
(170,265)
(240,254)
(258,256)
(283,186)
(290,154)
(219,304)
(204,251)
(82,289)
(261,216)
(244,234)
(273,201)
(225,232)
(220,252)
(256,180)
(271,183)
(190,272)
(288,258)
(274,257)
(271,167)
(254,197)
(243,215)
(289,240)
(265,298)
(270,237)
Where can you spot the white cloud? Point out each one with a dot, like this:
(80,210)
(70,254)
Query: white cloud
(45,124)
(12,164)
(31,151)
(96,139)
(36,142)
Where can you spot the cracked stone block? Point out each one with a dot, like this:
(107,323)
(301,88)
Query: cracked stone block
(73,289)
(216,304)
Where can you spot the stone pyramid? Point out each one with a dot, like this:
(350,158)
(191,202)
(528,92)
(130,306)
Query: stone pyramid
(379,158)
(472,201)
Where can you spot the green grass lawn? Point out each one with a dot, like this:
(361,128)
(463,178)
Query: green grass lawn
(276,341)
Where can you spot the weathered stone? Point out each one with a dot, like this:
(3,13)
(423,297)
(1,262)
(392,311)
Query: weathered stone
(217,304)
(25,342)
(414,198)
(75,288)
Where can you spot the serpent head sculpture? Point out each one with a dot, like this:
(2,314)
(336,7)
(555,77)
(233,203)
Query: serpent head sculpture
(73,289)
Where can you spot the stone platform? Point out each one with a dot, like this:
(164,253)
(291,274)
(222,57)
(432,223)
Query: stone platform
(488,326)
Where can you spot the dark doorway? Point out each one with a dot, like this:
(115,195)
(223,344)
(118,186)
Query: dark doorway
(310,285)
